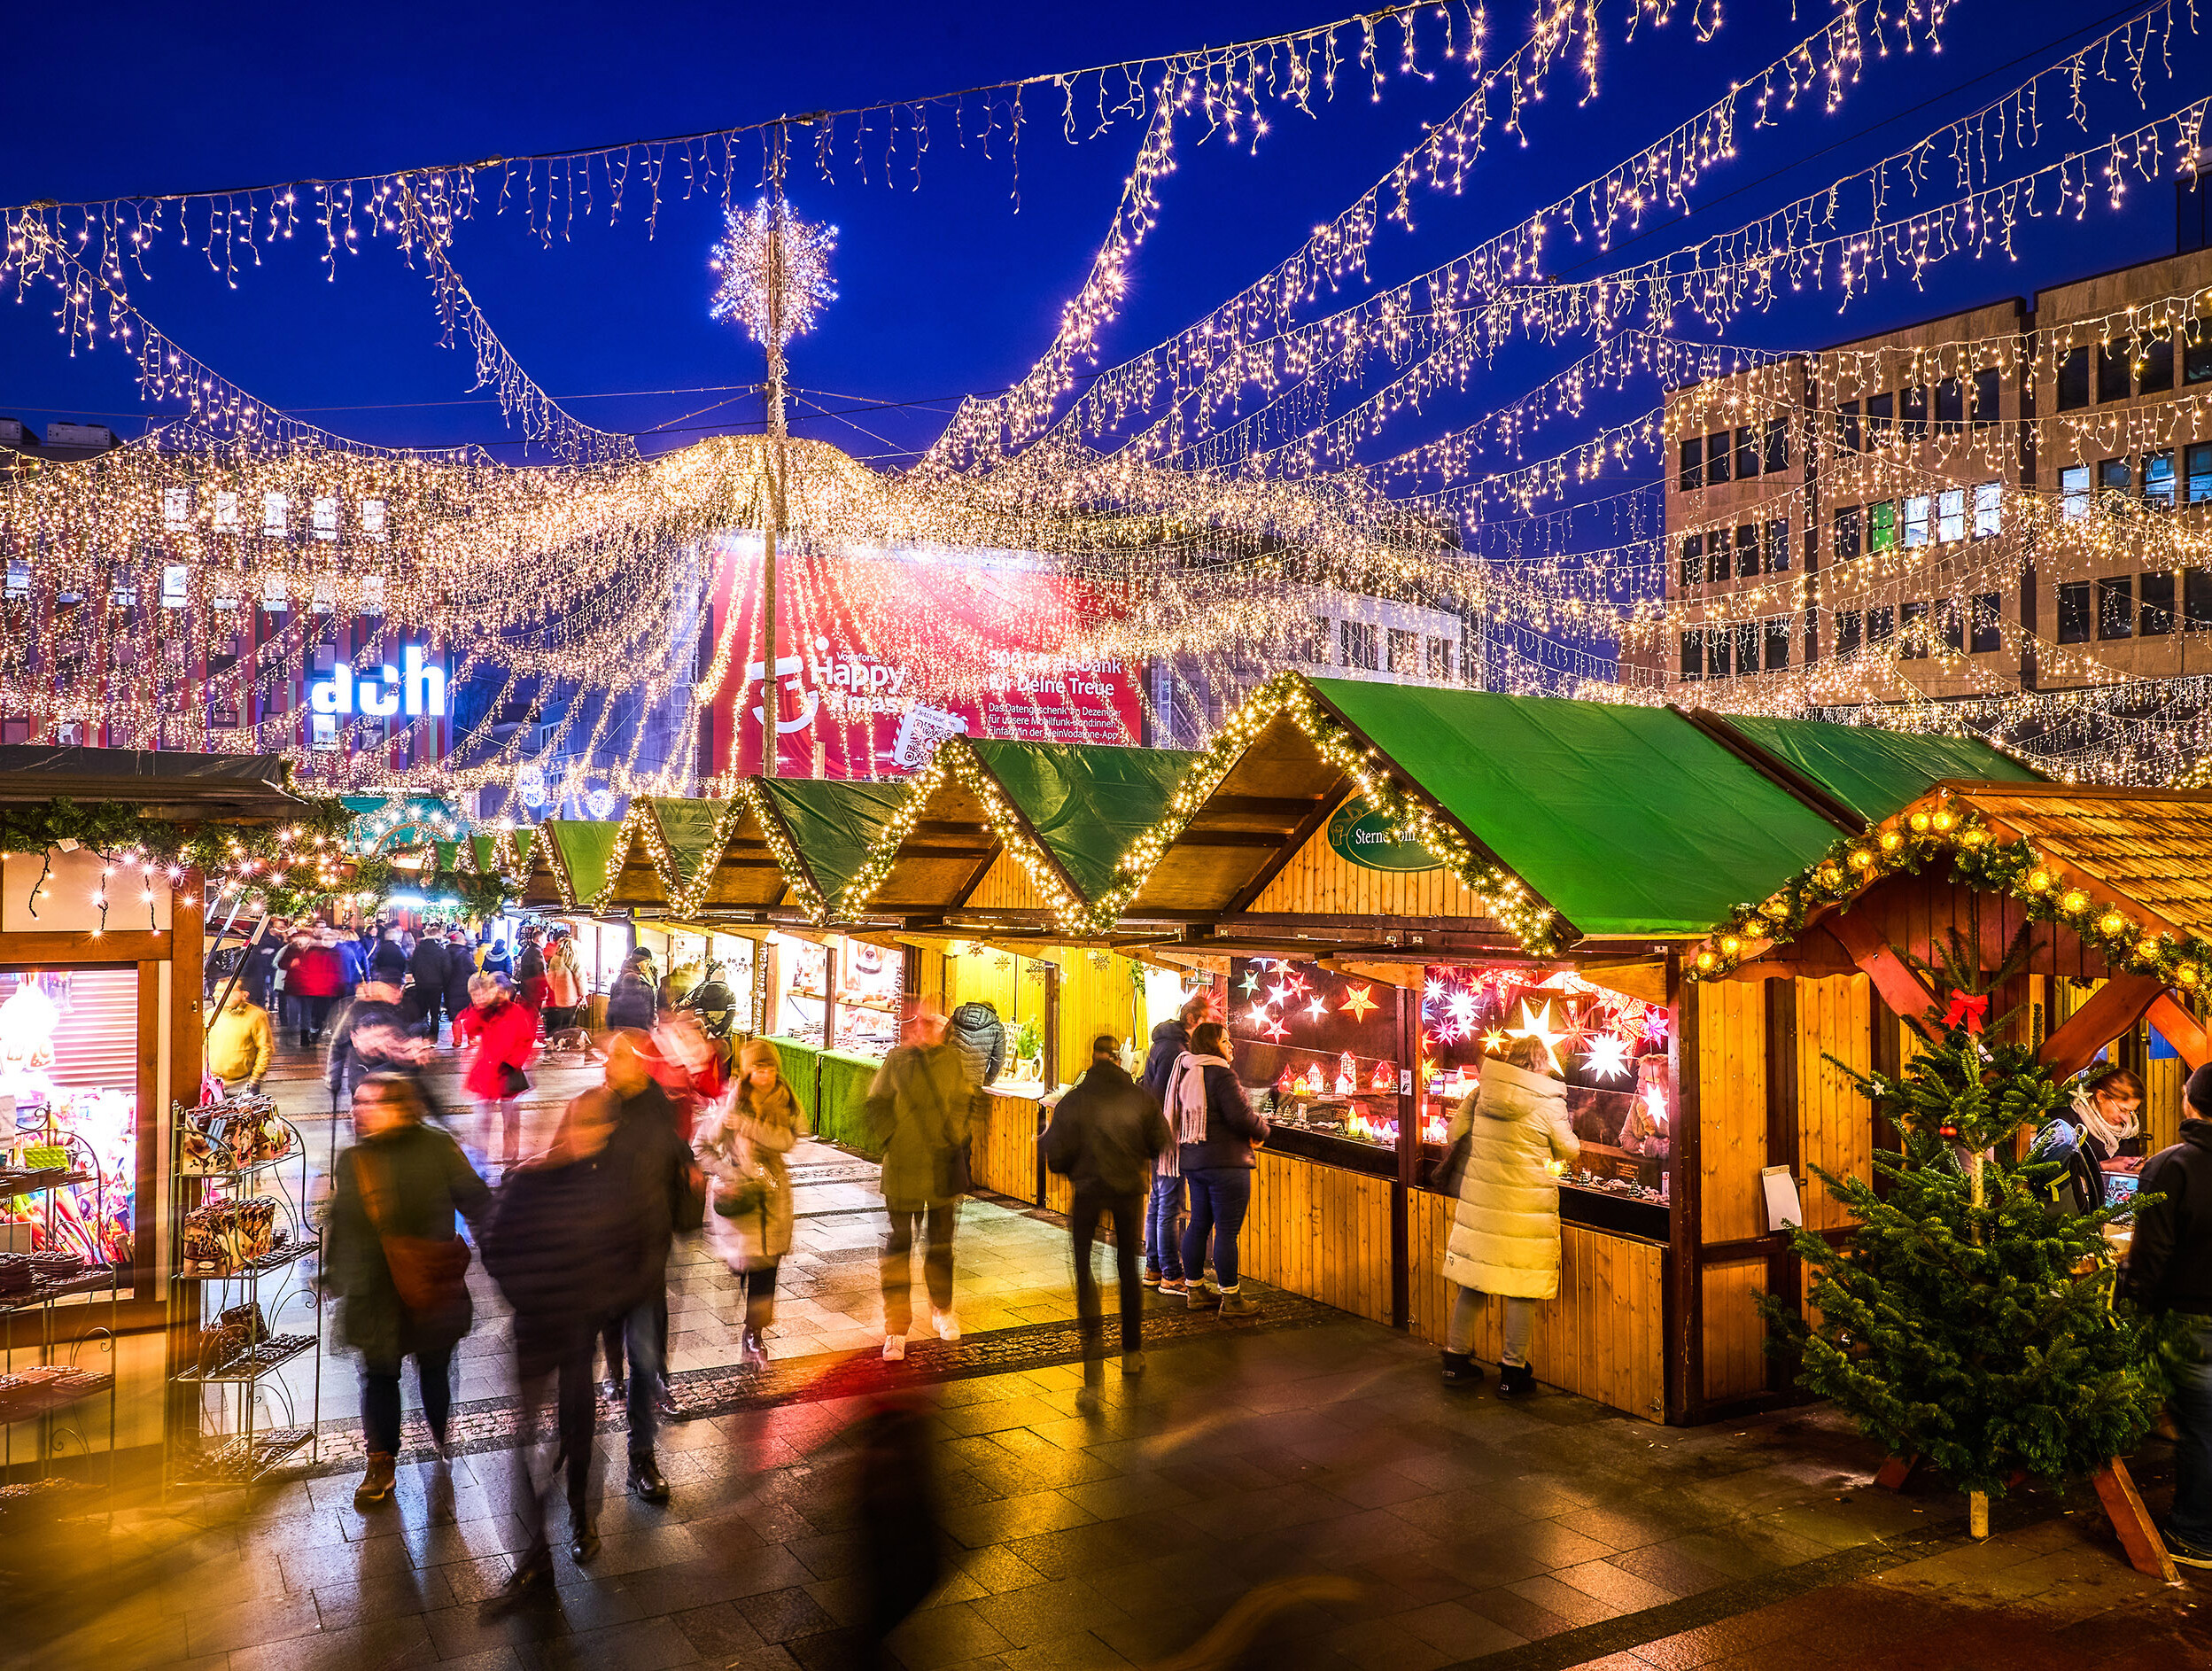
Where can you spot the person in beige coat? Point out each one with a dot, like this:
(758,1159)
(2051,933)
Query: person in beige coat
(1505,1225)
(752,1187)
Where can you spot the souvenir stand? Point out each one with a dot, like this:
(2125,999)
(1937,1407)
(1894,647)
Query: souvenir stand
(996,865)
(560,868)
(1392,881)
(100,1037)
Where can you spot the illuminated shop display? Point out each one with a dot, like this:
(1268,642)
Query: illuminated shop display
(1316,1052)
(69,1080)
(869,985)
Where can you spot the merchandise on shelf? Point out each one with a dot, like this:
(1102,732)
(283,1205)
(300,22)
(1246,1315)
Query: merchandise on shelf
(1316,1052)
(68,1100)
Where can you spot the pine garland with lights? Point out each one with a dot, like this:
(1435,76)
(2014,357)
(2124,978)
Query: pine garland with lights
(1961,1322)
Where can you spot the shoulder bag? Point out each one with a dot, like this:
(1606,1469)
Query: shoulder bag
(429,1273)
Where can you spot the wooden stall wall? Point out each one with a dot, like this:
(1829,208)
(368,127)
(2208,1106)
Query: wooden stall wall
(1732,1146)
(1834,1122)
(1003,1156)
(1321,1232)
(1601,1336)
(1006,886)
(1319,881)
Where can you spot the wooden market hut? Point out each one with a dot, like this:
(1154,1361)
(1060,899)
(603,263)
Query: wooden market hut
(1381,833)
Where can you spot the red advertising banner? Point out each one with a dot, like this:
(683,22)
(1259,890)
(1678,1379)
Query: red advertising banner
(881,656)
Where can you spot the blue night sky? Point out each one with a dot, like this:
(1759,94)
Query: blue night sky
(946,287)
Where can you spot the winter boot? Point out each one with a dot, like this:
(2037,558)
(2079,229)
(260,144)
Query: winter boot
(376,1486)
(1460,1371)
(1515,1380)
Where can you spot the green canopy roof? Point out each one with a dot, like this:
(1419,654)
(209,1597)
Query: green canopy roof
(1629,821)
(1088,803)
(581,847)
(692,829)
(524,839)
(480,852)
(1874,772)
(834,823)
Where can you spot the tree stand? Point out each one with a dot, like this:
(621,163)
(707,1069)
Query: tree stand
(2115,1489)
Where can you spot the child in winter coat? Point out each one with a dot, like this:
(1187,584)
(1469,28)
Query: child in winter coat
(752,1190)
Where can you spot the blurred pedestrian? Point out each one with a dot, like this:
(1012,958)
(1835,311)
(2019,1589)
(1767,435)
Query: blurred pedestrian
(1215,1126)
(505,1035)
(1163,1213)
(1505,1223)
(392,1257)
(565,983)
(315,977)
(493,960)
(387,961)
(554,1219)
(257,973)
(921,1104)
(531,984)
(1104,1137)
(239,1043)
(2168,1269)
(461,968)
(353,957)
(663,1193)
(371,1033)
(631,1001)
(743,1154)
(426,984)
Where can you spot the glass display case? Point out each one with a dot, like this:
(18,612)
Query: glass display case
(870,985)
(804,1012)
(68,1082)
(1610,1049)
(1317,1053)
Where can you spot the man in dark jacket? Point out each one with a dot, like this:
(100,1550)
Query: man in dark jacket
(2170,1268)
(459,965)
(1105,1136)
(663,1193)
(426,995)
(631,1001)
(1163,1231)
(552,1223)
(981,1037)
(387,962)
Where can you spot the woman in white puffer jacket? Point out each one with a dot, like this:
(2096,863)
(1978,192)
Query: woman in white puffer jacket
(1505,1225)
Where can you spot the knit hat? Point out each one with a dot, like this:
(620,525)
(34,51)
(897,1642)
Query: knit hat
(2198,1092)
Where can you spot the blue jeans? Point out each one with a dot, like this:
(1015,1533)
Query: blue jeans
(642,1344)
(2192,1407)
(1163,1249)
(1219,1196)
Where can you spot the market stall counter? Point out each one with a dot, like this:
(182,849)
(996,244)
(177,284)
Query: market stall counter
(841,1112)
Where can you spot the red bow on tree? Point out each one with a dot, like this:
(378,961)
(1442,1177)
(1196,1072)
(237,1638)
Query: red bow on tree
(1970,1012)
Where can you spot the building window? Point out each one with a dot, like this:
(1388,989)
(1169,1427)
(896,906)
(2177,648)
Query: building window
(1692,558)
(176,578)
(272,508)
(2156,618)
(1954,624)
(1988,632)
(1360,641)
(1882,625)
(2116,475)
(226,511)
(2073,379)
(1747,636)
(1951,406)
(1879,410)
(2199,461)
(372,518)
(1717,555)
(2196,600)
(1913,410)
(2196,353)
(1846,540)
(1778,644)
(1985,397)
(324,512)
(1811,636)
(1988,509)
(1777,546)
(2115,606)
(1847,426)
(177,508)
(1320,647)
(2158,478)
(1882,526)
(1777,445)
(2074,612)
(2112,371)
(1916,508)
(1950,514)
(1746,549)
(1440,658)
(1693,655)
(1716,459)
(2154,365)
(1405,652)
(1693,470)
(322,733)
(1746,454)
(2074,491)
(1847,632)
(1717,641)
(1914,631)
(273,597)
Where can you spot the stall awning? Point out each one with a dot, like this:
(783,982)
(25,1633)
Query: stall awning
(163,782)
(1087,804)
(833,823)
(1627,821)
(580,850)
(1867,772)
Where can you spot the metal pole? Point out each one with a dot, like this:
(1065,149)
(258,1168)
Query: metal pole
(778,433)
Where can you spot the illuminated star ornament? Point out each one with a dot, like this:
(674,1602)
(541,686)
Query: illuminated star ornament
(747,260)
(1358,1000)
(1251,982)
(1494,1041)
(1539,1028)
(1317,1010)
(1608,1058)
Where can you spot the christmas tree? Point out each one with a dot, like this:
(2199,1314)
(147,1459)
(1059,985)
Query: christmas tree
(1964,1322)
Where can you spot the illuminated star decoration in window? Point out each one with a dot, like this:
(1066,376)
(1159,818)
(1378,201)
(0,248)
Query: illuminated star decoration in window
(1319,1008)
(1462,1009)
(1608,1058)
(1540,1028)
(1433,989)
(743,259)
(1358,1000)
(1494,1041)
(1278,992)
(1251,982)
(1275,1029)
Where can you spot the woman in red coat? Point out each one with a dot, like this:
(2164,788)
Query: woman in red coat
(316,976)
(505,1035)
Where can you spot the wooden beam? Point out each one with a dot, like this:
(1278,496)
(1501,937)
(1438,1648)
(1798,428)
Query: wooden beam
(2181,1029)
(120,945)
(2112,1009)
(2138,1533)
(1902,990)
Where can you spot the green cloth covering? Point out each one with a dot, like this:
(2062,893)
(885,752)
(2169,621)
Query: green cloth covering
(480,854)
(689,826)
(1088,803)
(843,1117)
(582,847)
(1874,771)
(801,1071)
(833,824)
(1629,821)
(447,856)
(524,839)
